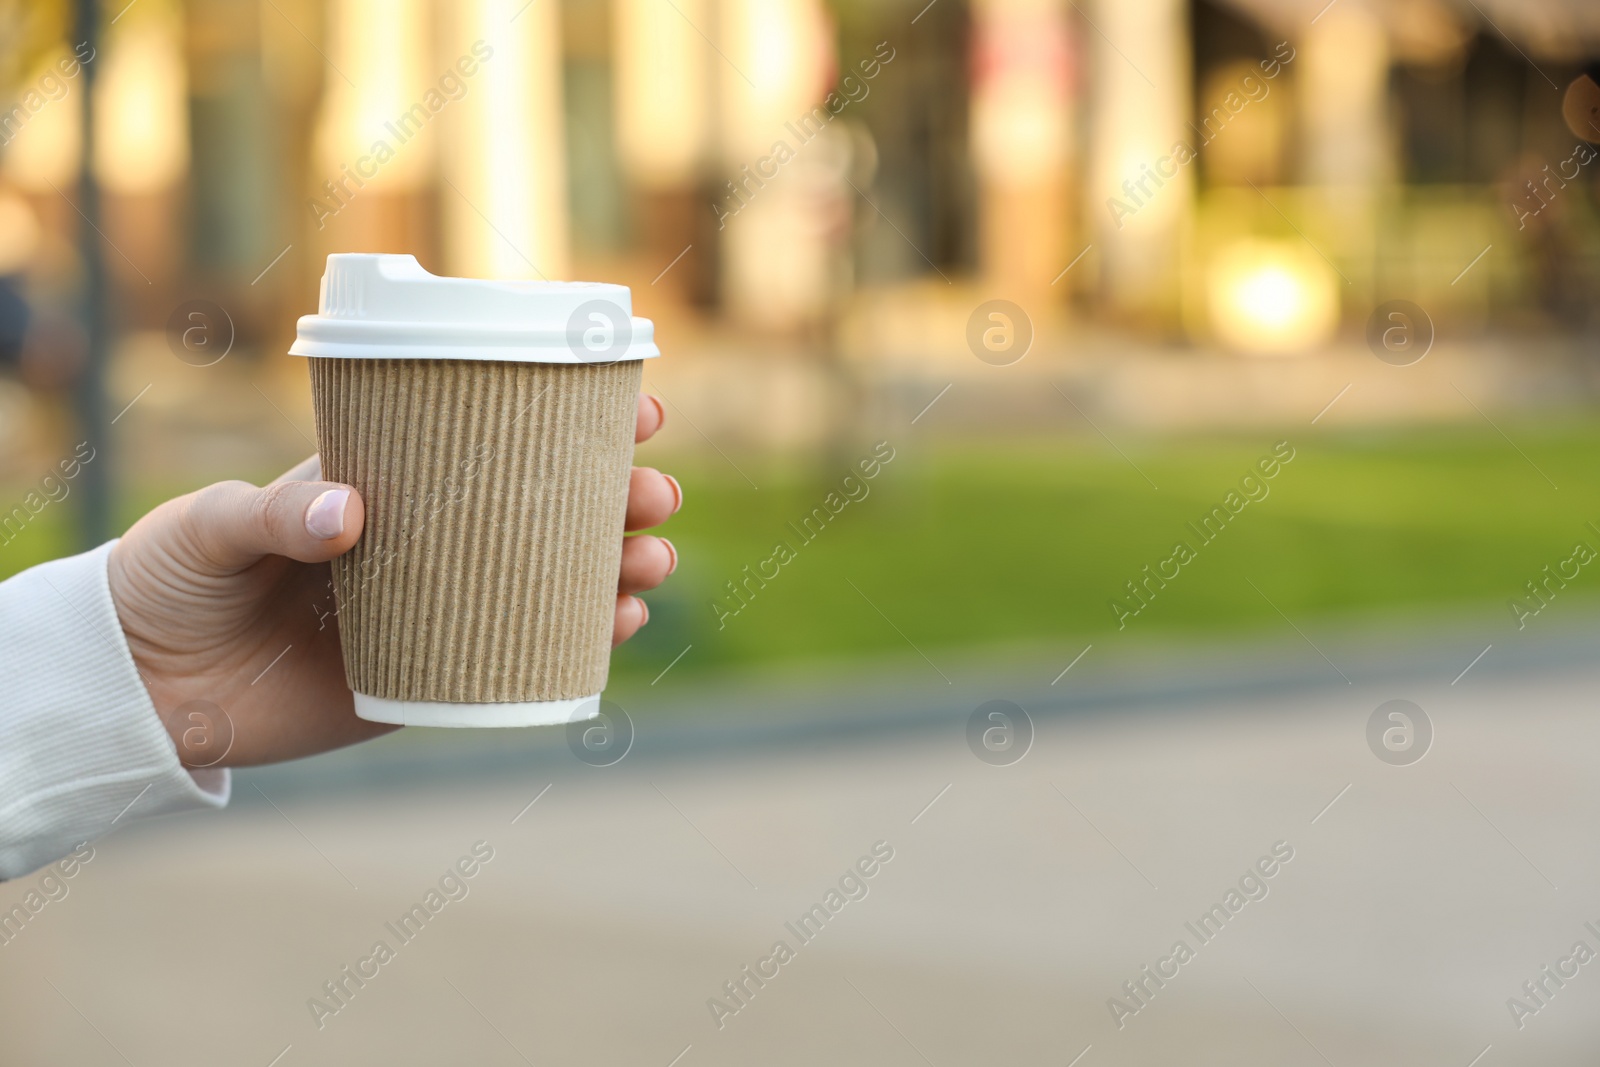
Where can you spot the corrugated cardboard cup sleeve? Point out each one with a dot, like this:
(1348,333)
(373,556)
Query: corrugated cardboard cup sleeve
(495,496)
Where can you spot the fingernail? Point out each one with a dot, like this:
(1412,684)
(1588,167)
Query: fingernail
(677,492)
(661,412)
(644,609)
(671,550)
(325,516)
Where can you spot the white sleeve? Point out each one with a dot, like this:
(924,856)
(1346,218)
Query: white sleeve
(81,746)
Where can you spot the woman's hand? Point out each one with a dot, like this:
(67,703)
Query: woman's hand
(216,594)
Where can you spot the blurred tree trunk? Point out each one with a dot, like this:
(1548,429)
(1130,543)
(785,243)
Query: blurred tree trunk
(94,486)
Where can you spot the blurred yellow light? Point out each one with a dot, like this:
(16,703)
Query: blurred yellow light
(663,90)
(382,52)
(1342,84)
(1021,113)
(47,150)
(505,209)
(1136,116)
(1271,298)
(142,136)
(783,53)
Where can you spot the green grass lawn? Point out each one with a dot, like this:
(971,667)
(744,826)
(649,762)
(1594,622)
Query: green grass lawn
(971,545)
(976,545)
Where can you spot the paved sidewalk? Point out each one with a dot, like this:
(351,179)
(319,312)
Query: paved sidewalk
(1018,900)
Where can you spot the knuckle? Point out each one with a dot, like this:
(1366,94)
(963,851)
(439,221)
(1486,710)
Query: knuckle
(272,509)
(204,507)
(202,516)
(218,495)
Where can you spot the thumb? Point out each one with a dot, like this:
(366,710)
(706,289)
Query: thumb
(234,524)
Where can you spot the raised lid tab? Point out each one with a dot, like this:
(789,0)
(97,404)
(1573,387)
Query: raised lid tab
(388,307)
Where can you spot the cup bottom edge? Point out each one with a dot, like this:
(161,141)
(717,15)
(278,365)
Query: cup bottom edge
(478,716)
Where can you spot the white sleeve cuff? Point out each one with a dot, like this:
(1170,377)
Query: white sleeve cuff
(81,746)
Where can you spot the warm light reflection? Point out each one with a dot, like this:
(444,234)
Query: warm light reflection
(663,90)
(43,149)
(1138,115)
(382,48)
(1271,298)
(505,207)
(1343,93)
(142,132)
(777,251)
(1021,107)
(783,48)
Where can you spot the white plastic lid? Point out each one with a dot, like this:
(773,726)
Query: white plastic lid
(387,307)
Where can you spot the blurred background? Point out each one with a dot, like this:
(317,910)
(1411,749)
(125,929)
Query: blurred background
(1193,213)
(1075,268)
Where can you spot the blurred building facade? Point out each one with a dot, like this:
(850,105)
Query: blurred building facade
(1250,175)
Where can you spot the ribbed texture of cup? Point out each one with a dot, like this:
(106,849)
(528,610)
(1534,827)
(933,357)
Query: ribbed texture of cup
(495,496)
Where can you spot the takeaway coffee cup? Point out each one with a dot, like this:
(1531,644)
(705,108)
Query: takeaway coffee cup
(489,428)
